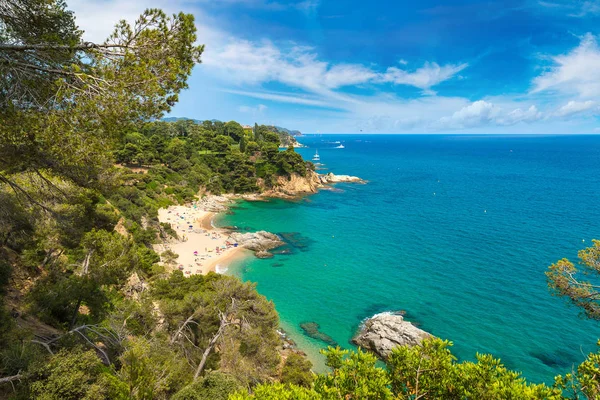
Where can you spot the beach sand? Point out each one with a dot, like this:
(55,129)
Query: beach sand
(201,248)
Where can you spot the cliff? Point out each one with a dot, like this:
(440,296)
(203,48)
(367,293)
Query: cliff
(297,185)
(286,137)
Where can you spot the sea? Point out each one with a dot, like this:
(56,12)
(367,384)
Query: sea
(454,230)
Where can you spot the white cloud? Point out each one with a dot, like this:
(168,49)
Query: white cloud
(577,72)
(281,97)
(575,107)
(425,77)
(517,115)
(245,62)
(253,110)
(478,113)
(587,8)
(484,113)
(256,63)
(572,8)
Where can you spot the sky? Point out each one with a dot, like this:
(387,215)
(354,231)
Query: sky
(351,66)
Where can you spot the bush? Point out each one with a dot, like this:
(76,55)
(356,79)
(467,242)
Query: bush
(214,386)
(296,370)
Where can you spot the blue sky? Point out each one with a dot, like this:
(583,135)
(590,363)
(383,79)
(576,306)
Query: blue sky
(387,66)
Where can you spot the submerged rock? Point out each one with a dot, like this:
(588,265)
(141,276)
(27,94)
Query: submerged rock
(311,329)
(382,332)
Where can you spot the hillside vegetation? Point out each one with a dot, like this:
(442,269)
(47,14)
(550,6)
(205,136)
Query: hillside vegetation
(87,310)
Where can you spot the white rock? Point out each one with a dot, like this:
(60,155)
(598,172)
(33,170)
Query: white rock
(331,178)
(381,333)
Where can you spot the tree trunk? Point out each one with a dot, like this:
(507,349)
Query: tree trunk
(75,313)
(85,269)
(210,347)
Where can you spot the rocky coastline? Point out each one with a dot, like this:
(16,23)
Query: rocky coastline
(260,242)
(297,185)
(382,332)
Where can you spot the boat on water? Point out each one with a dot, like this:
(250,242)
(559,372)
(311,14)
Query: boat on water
(316,157)
(341,146)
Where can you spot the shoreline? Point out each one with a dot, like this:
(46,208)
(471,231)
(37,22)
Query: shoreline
(200,247)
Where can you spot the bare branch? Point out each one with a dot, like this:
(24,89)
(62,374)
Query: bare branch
(11,378)
(43,344)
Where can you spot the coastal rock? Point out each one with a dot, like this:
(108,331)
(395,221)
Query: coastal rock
(331,178)
(382,332)
(214,203)
(263,254)
(259,242)
(297,185)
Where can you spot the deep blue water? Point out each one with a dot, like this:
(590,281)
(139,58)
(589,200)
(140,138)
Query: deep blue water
(455,230)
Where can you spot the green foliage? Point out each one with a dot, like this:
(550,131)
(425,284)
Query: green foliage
(102,264)
(200,304)
(150,369)
(77,227)
(72,375)
(183,156)
(83,96)
(584,383)
(353,374)
(429,371)
(296,371)
(214,386)
(18,353)
(564,281)
(234,131)
(278,391)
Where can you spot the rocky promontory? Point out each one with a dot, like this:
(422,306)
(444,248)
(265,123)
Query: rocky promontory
(214,203)
(297,185)
(382,332)
(331,178)
(260,242)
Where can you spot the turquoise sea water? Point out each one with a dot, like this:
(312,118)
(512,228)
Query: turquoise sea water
(455,230)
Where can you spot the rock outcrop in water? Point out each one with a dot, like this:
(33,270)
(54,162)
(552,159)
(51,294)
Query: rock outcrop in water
(259,242)
(331,178)
(297,185)
(382,332)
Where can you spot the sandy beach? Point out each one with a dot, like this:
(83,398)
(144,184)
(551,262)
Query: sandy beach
(201,247)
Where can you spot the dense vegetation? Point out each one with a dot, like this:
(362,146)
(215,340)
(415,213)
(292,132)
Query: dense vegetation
(87,310)
(221,157)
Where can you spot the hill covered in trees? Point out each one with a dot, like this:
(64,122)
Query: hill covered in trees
(286,137)
(88,312)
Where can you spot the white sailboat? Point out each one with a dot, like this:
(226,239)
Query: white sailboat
(316,157)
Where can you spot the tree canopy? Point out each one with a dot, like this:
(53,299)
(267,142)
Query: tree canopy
(566,280)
